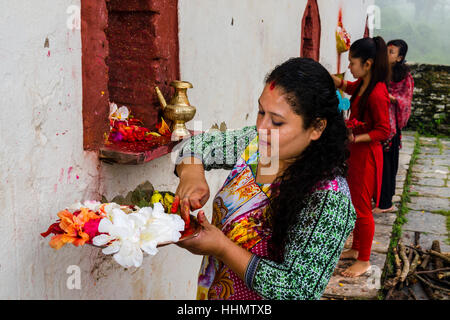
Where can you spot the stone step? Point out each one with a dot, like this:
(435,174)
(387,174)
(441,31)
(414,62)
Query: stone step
(429,194)
(365,286)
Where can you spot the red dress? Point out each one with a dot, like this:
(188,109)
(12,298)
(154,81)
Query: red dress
(366,163)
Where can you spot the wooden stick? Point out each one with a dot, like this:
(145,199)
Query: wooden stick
(411,292)
(397,263)
(433,253)
(436,247)
(440,255)
(414,263)
(442,275)
(405,269)
(432,285)
(432,271)
(410,255)
(416,238)
(425,261)
(395,280)
(429,292)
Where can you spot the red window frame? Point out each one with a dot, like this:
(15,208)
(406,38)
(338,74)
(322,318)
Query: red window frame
(102,69)
(311,29)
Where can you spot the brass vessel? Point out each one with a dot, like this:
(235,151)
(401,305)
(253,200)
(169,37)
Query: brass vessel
(178,111)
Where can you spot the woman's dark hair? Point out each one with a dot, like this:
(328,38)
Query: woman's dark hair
(400,70)
(310,91)
(375,49)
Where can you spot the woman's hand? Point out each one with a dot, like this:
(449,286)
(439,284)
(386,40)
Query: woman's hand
(338,82)
(193,189)
(351,137)
(393,99)
(210,241)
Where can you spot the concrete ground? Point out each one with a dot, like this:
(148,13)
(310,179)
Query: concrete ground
(428,210)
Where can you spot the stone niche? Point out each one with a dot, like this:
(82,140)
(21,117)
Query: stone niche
(129,47)
(431,100)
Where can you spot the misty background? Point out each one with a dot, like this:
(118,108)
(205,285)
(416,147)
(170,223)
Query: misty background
(423,24)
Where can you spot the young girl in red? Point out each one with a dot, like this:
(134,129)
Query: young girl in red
(370,105)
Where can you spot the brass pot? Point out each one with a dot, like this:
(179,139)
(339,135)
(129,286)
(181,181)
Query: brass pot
(178,111)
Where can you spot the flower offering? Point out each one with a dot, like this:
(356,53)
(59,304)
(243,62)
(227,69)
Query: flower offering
(124,127)
(354,123)
(126,231)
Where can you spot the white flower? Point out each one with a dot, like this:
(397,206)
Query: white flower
(108,208)
(124,232)
(129,234)
(112,110)
(123,113)
(160,227)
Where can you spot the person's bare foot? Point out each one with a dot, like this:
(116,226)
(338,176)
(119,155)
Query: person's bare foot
(388,210)
(349,254)
(356,269)
(391,209)
(377,210)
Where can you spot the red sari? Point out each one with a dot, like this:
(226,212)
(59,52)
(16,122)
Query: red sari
(366,163)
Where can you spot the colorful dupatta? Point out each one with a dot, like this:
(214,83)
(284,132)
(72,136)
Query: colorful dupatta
(240,211)
(400,111)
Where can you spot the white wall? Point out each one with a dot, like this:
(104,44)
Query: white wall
(354,20)
(41,144)
(43,165)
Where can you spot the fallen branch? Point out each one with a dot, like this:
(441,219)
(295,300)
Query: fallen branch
(443,275)
(432,271)
(414,262)
(405,270)
(416,238)
(428,283)
(429,292)
(411,292)
(433,253)
(425,261)
(436,247)
(391,284)
(439,255)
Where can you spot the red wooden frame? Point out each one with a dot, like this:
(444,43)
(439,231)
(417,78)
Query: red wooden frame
(111,69)
(310,34)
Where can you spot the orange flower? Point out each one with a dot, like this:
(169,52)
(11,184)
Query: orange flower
(163,128)
(73,228)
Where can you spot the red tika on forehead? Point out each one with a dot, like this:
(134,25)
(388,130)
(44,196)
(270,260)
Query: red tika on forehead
(272,85)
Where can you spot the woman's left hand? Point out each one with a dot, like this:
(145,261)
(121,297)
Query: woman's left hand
(351,137)
(210,240)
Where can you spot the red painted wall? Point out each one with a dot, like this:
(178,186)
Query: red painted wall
(129,47)
(310,42)
(94,19)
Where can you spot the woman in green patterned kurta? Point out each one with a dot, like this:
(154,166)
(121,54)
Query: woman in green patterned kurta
(281,218)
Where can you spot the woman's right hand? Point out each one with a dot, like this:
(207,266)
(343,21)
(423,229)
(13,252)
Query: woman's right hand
(339,83)
(193,189)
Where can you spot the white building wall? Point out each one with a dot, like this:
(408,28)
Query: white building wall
(43,165)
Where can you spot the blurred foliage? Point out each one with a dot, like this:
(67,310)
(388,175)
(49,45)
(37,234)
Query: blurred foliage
(423,24)
(144,196)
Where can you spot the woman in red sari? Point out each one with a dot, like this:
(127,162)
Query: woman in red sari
(370,105)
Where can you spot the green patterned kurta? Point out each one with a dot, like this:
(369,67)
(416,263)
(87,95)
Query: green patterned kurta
(315,241)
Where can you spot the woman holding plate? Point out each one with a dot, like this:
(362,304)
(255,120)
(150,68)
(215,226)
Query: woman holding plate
(282,216)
